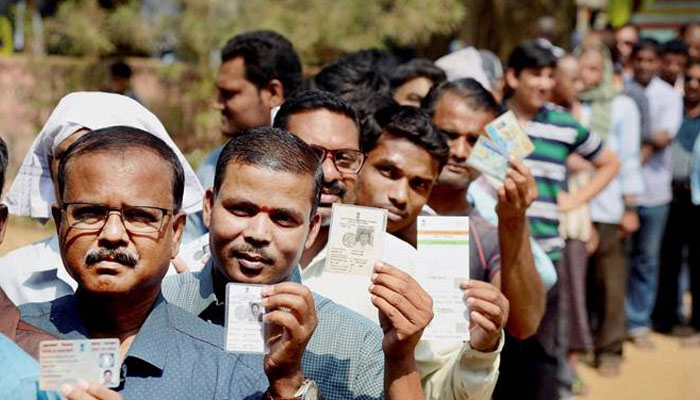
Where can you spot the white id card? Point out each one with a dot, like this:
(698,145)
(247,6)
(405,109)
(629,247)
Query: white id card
(443,263)
(355,240)
(244,324)
(68,361)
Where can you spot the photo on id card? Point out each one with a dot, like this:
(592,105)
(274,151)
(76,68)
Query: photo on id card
(355,240)
(68,361)
(244,327)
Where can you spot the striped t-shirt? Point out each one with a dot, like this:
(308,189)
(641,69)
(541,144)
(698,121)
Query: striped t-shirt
(555,134)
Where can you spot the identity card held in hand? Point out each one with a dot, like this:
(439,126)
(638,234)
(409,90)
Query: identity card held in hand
(507,134)
(68,361)
(443,263)
(244,319)
(355,240)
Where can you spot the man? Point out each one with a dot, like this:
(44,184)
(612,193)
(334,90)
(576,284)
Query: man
(690,34)
(261,213)
(259,70)
(411,81)
(556,135)
(364,70)
(615,118)
(120,80)
(328,123)
(567,84)
(119,219)
(626,37)
(674,56)
(678,233)
(665,114)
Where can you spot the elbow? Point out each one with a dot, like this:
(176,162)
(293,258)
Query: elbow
(527,325)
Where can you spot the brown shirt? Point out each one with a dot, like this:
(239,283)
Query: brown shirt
(24,335)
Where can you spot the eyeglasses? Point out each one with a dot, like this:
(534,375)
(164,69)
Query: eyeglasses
(345,160)
(136,219)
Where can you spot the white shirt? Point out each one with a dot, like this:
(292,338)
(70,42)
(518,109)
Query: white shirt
(35,273)
(448,370)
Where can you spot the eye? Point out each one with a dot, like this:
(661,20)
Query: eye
(142,215)
(242,210)
(284,219)
(88,212)
(420,185)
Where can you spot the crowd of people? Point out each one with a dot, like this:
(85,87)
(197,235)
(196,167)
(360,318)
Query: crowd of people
(580,248)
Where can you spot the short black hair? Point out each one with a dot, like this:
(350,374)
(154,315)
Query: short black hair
(366,103)
(267,55)
(410,123)
(468,89)
(675,47)
(416,68)
(531,54)
(692,62)
(646,44)
(120,69)
(363,70)
(685,27)
(311,100)
(4,160)
(275,149)
(122,139)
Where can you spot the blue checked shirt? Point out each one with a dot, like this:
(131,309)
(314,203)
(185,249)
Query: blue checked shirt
(174,356)
(344,355)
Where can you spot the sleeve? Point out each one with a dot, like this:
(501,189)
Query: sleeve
(587,144)
(455,371)
(627,130)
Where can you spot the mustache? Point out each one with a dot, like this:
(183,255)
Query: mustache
(121,256)
(334,188)
(239,251)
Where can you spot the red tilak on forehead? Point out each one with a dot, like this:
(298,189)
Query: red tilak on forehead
(266,210)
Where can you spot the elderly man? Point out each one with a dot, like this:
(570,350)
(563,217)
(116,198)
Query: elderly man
(119,219)
(261,213)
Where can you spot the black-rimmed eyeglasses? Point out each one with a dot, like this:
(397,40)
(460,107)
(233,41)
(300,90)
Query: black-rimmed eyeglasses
(136,219)
(345,160)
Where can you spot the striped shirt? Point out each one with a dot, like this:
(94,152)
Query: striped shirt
(555,134)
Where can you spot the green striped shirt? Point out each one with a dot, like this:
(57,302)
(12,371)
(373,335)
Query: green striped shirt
(555,134)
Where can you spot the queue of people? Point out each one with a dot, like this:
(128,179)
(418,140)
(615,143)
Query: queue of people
(565,254)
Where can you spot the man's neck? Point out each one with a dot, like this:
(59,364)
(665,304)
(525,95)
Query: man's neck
(644,85)
(521,111)
(449,201)
(692,109)
(408,234)
(109,317)
(309,254)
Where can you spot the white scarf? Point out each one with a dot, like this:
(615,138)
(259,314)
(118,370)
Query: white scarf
(32,192)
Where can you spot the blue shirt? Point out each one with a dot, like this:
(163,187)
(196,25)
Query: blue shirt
(174,356)
(19,374)
(344,356)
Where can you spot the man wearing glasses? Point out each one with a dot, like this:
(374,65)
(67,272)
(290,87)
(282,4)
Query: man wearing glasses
(119,219)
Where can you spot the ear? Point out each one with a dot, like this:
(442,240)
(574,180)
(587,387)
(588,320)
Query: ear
(179,221)
(511,79)
(57,214)
(208,206)
(314,227)
(3,221)
(273,93)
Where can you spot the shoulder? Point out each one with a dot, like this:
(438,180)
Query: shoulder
(624,104)
(174,284)
(195,329)
(556,115)
(38,310)
(485,231)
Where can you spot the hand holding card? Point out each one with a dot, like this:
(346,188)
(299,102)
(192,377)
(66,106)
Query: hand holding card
(70,361)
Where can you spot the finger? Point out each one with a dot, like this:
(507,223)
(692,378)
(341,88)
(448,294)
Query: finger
(290,288)
(76,391)
(408,289)
(501,192)
(180,265)
(492,310)
(103,392)
(489,295)
(297,332)
(475,284)
(296,304)
(483,322)
(397,319)
(521,183)
(512,192)
(414,288)
(415,315)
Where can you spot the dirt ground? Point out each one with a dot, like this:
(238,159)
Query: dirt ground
(668,372)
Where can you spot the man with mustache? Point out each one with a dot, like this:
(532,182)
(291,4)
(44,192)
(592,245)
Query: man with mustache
(119,221)
(261,214)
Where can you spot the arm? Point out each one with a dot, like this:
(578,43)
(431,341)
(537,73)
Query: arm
(628,132)
(405,309)
(673,117)
(607,165)
(518,280)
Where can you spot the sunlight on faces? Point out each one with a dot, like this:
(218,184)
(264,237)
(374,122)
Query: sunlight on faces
(260,222)
(136,178)
(333,131)
(692,38)
(412,91)
(672,66)
(592,65)
(397,176)
(242,105)
(645,65)
(567,81)
(626,37)
(532,87)
(692,84)
(463,126)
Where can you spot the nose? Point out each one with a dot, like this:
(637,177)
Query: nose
(459,148)
(257,231)
(113,233)
(330,172)
(398,195)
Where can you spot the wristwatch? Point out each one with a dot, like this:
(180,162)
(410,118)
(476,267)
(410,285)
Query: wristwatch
(307,391)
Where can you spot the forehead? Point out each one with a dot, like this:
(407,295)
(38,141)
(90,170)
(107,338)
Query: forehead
(591,58)
(646,53)
(627,32)
(693,70)
(568,65)
(405,155)
(325,128)
(452,113)
(266,187)
(232,73)
(117,177)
